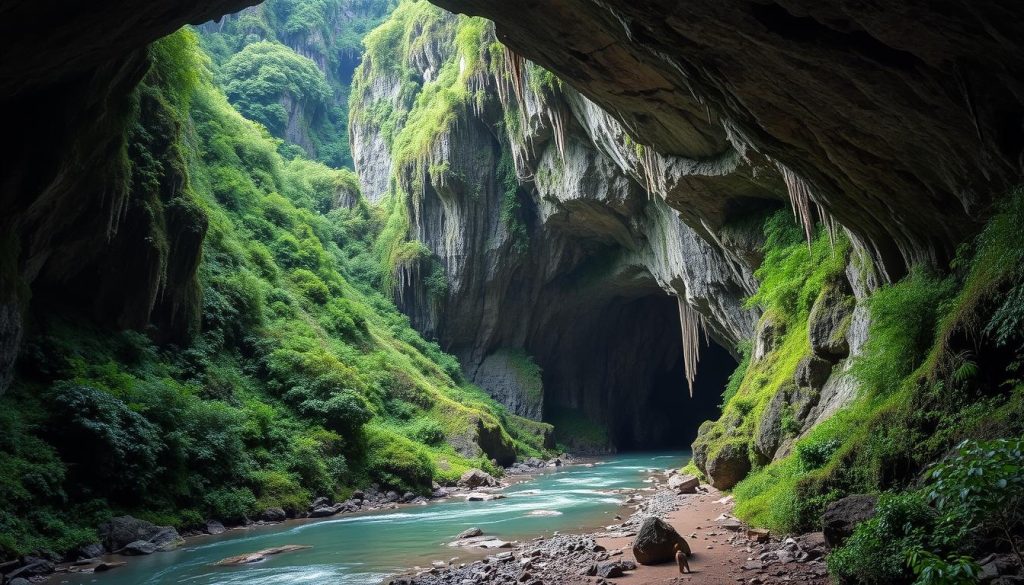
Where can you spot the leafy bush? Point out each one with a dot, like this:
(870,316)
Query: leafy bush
(876,553)
(230,504)
(116,448)
(396,461)
(428,432)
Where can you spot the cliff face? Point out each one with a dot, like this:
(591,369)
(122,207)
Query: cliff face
(904,119)
(544,227)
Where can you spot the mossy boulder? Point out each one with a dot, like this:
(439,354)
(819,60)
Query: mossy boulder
(812,372)
(829,322)
(729,464)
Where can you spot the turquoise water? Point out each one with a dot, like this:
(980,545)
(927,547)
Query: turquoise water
(366,548)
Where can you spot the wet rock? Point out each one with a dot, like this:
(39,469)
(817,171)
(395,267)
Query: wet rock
(107,566)
(482,497)
(261,555)
(470,532)
(842,516)
(136,548)
(475,478)
(123,530)
(655,542)
(273,515)
(89,551)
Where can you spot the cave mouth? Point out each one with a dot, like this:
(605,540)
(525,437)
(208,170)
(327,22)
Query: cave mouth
(618,374)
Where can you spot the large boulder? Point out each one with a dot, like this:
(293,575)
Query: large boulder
(214,527)
(731,463)
(273,515)
(769,434)
(124,530)
(656,542)
(829,322)
(139,547)
(475,478)
(842,516)
(812,372)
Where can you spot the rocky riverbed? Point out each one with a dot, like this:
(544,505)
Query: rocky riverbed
(723,550)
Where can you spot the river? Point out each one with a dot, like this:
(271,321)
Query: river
(366,548)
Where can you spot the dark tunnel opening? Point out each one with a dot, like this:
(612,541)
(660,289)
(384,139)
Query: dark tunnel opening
(620,367)
(675,415)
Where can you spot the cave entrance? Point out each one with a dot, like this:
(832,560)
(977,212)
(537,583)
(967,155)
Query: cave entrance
(618,371)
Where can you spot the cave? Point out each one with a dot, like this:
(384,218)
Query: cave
(620,367)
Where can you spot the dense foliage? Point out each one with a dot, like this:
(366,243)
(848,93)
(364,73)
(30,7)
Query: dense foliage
(288,65)
(940,365)
(301,380)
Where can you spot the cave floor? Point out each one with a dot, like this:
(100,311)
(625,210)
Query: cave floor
(718,556)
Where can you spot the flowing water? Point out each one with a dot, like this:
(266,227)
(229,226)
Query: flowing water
(366,548)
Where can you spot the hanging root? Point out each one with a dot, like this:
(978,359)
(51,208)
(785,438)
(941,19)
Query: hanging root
(691,324)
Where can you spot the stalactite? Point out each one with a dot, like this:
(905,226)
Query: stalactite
(800,199)
(654,173)
(557,119)
(691,325)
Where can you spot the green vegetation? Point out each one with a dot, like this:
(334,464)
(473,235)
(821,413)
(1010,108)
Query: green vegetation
(295,55)
(931,534)
(577,433)
(939,367)
(300,380)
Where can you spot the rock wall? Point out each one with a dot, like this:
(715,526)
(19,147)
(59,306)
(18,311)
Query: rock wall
(905,118)
(66,88)
(559,236)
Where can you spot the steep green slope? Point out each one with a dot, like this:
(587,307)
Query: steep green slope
(941,365)
(288,64)
(301,379)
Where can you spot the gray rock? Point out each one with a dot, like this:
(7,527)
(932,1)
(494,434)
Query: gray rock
(273,515)
(470,532)
(139,547)
(812,372)
(729,465)
(475,478)
(124,530)
(829,322)
(609,570)
(325,511)
(19,581)
(90,551)
(683,484)
(768,436)
(842,516)
(655,542)
(214,527)
(167,538)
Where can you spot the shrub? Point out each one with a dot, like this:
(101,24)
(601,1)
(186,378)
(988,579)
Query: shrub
(877,551)
(396,461)
(230,504)
(428,432)
(115,448)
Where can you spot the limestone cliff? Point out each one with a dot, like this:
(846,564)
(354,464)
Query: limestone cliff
(537,223)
